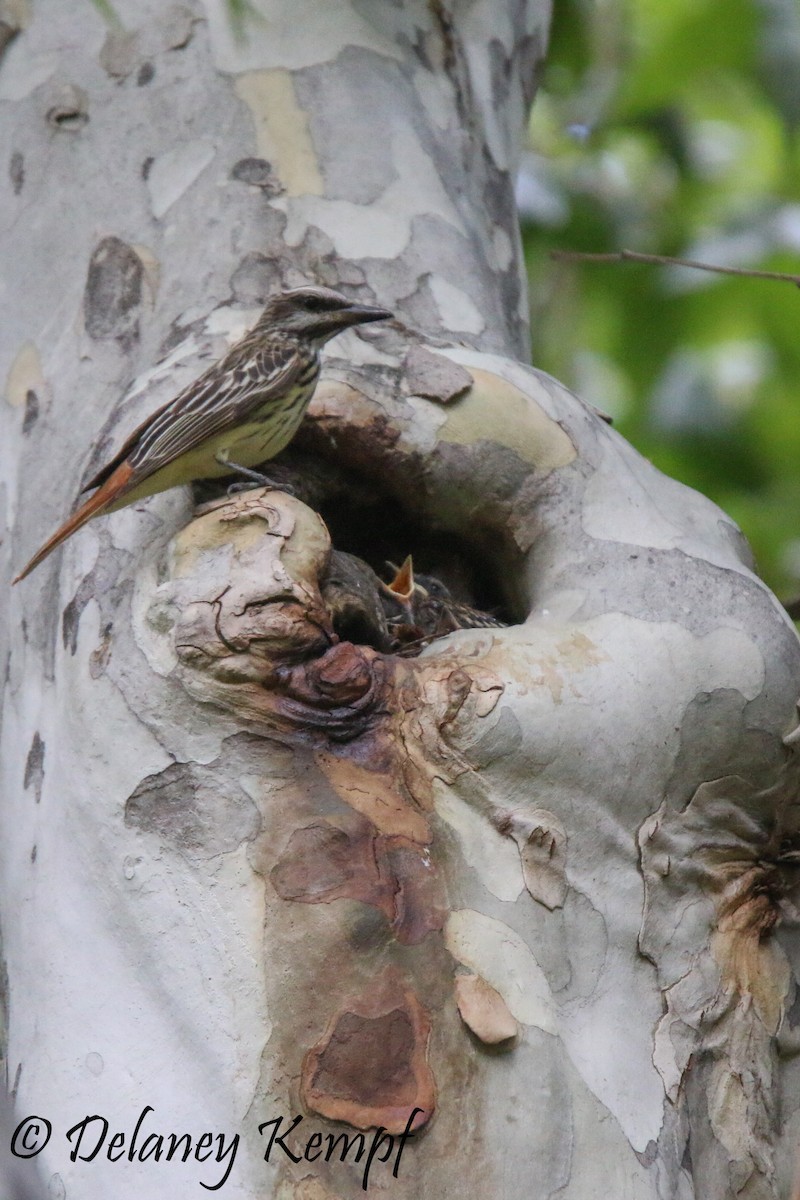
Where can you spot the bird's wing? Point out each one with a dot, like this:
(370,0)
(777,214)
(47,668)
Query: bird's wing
(221,398)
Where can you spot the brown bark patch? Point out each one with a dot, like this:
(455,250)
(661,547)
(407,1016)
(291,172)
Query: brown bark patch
(376,795)
(747,913)
(323,862)
(370,1067)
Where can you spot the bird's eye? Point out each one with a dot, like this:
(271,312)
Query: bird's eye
(314,303)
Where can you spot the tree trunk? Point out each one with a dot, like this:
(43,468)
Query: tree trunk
(526,896)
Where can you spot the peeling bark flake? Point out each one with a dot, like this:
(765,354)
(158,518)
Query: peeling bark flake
(542,843)
(485,1011)
(435,377)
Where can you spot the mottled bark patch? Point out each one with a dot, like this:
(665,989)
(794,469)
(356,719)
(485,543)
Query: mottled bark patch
(34,767)
(255,279)
(124,51)
(9,28)
(500,68)
(451,57)
(113,293)
(98,659)
(70,620)
(315,257)
(16,171)
(385,1042)
(529,57)
(357,166)
(370,1067)
(195,808)
(257,172)
(321,863)
(31,411)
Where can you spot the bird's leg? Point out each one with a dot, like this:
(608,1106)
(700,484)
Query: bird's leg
(254,478)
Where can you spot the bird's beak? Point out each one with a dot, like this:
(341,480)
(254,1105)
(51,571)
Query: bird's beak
(402,586)
(360,314)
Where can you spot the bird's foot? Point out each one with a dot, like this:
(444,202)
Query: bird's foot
(233,489)
(253,479)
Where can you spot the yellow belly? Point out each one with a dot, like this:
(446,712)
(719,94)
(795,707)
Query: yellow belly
(248,445)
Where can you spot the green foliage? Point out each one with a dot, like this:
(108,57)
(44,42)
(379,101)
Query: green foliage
(670,126)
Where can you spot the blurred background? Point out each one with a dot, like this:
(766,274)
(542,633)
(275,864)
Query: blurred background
(671,127)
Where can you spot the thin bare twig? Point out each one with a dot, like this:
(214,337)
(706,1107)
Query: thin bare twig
(664,260)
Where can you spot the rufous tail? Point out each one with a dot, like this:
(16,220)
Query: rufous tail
(105,495)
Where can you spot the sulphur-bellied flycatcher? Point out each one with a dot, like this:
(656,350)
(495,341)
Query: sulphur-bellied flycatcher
(240,412)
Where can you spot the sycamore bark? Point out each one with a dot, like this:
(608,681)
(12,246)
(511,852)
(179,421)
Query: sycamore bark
(536,883)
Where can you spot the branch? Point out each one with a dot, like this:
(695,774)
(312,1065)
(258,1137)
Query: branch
(665,260)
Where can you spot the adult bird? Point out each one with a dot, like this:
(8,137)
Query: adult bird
(242,411)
